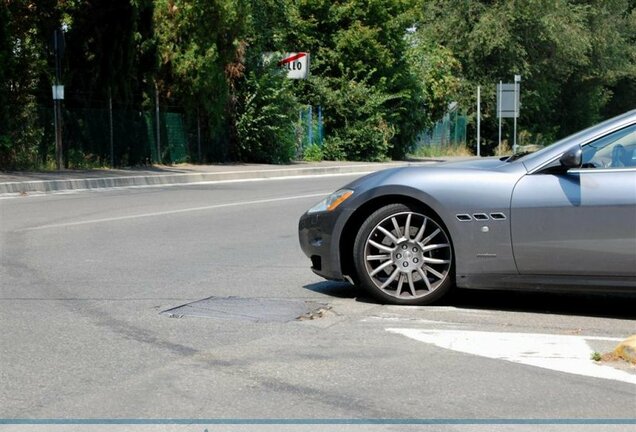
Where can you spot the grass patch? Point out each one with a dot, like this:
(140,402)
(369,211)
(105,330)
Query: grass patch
(607,357)
(441,151)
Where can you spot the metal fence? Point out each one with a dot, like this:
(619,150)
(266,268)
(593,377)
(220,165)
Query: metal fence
(124,137)
(451,130)
(310,128)
(102,137)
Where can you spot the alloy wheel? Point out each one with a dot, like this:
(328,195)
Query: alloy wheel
(408,255)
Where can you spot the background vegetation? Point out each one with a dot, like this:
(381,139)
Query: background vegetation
(382,71)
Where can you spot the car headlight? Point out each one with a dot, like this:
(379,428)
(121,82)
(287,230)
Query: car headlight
(332,201)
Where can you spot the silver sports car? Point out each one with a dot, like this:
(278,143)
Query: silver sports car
(563,218)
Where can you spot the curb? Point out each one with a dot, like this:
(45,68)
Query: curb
(627,349)
(44,186)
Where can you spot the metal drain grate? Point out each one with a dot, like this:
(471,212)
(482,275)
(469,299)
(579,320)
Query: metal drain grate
(248,309)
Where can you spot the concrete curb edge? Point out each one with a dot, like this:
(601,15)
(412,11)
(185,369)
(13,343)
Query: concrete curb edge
(43,186)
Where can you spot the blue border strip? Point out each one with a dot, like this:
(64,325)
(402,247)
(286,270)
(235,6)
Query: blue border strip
(594,421)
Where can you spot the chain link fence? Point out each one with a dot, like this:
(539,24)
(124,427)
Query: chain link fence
(94,137)
(309,129)
(450,131)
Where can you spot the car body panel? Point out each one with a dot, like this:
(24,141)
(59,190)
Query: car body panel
(582,223)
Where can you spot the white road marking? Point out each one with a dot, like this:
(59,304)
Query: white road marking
(445,309)
(172,212)
(563,353)
(403,319)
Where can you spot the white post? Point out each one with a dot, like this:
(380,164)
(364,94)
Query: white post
(478,121)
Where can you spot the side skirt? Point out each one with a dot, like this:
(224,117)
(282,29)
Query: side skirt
(547,283)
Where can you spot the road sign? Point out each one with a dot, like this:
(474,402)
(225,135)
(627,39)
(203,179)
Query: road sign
(58,92)
(297,65)
(507,100)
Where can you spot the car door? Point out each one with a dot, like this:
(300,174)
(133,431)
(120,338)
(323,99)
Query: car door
(580,222)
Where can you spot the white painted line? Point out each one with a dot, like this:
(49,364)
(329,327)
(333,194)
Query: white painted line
(563,353)
(36,194)
(445,309)
(406,320)
(172,212)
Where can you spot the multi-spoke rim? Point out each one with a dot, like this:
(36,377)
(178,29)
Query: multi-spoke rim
(408,255)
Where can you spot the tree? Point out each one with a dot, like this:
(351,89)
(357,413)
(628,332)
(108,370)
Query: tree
(372,100)
(569,53)
(25,77)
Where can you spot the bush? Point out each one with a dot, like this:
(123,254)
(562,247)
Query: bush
(266,110)
(19,144)
(313,153)
(358,121)
(332,149)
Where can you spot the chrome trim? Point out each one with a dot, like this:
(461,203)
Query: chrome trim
(601,170)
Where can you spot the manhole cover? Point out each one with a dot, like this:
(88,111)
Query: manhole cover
(249,309)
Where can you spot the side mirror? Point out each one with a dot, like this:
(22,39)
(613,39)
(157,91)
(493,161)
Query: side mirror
(573,158)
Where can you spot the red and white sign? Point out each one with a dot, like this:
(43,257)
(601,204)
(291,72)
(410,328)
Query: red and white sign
(297,65)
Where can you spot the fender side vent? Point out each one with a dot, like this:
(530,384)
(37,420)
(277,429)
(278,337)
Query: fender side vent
(498,216)
(464,217)
(480,216)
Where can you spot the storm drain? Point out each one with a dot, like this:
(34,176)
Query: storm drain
(249,309)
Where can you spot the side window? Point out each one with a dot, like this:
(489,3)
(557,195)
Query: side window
(616,150)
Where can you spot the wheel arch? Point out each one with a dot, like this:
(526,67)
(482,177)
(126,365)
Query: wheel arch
(356,219)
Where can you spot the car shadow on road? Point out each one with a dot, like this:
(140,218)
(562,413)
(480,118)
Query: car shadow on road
(341,290)
(619,306)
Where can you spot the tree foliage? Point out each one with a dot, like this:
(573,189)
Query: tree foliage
(361,75)
(382,70)
(571,55)
(23,78)
(265,133)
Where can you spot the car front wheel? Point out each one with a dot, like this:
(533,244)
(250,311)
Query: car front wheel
(403,256)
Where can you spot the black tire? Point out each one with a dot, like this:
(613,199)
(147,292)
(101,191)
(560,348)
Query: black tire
(400,267)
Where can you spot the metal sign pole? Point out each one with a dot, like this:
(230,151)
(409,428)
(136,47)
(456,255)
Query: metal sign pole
(157,121)
(320,131)
(478,121)
(110,121)
(199,135)
(499,113)
(310,127)
(57,111)
(516,112)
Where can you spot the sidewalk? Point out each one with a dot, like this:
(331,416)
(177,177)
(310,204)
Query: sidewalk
(56,181)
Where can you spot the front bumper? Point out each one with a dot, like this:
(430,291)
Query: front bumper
(316,236)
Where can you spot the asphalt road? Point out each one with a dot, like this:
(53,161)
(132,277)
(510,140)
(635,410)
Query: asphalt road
(85,276)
